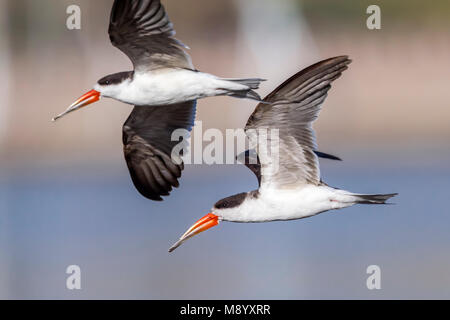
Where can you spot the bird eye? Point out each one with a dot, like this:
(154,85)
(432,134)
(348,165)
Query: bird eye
(107,81)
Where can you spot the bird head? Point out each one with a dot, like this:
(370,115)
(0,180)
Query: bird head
(226,209)
(109,86)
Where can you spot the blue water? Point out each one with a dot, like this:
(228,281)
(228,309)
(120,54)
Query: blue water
(92,217)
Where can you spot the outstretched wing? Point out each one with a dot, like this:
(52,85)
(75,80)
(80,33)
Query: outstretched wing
(142,30)
(250,159)
(148,147)
(288,159)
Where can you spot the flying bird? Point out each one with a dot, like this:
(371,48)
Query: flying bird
(163,87)
(290,186)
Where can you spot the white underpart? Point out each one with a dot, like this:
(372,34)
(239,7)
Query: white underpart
(288,204)
(168,86)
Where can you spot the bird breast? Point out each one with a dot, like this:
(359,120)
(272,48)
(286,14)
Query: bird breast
(168,86)
(274,205)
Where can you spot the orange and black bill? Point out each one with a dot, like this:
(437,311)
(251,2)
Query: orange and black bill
(86,99)
(208,221)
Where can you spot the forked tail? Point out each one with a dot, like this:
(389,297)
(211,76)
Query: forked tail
(251,83)
(373,198)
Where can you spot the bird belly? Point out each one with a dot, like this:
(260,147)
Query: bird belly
(166,87)
(287,205)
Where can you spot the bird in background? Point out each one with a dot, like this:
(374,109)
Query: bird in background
(163,87)
(290,185)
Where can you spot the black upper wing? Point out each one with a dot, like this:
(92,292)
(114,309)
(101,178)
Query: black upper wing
(142,30)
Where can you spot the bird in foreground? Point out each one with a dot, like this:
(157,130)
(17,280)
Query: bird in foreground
(290,186)
(163,87)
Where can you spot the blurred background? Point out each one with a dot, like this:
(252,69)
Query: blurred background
(66,197)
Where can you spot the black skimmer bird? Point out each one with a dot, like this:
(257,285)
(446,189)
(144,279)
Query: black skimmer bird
(293,189)
(163,87)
